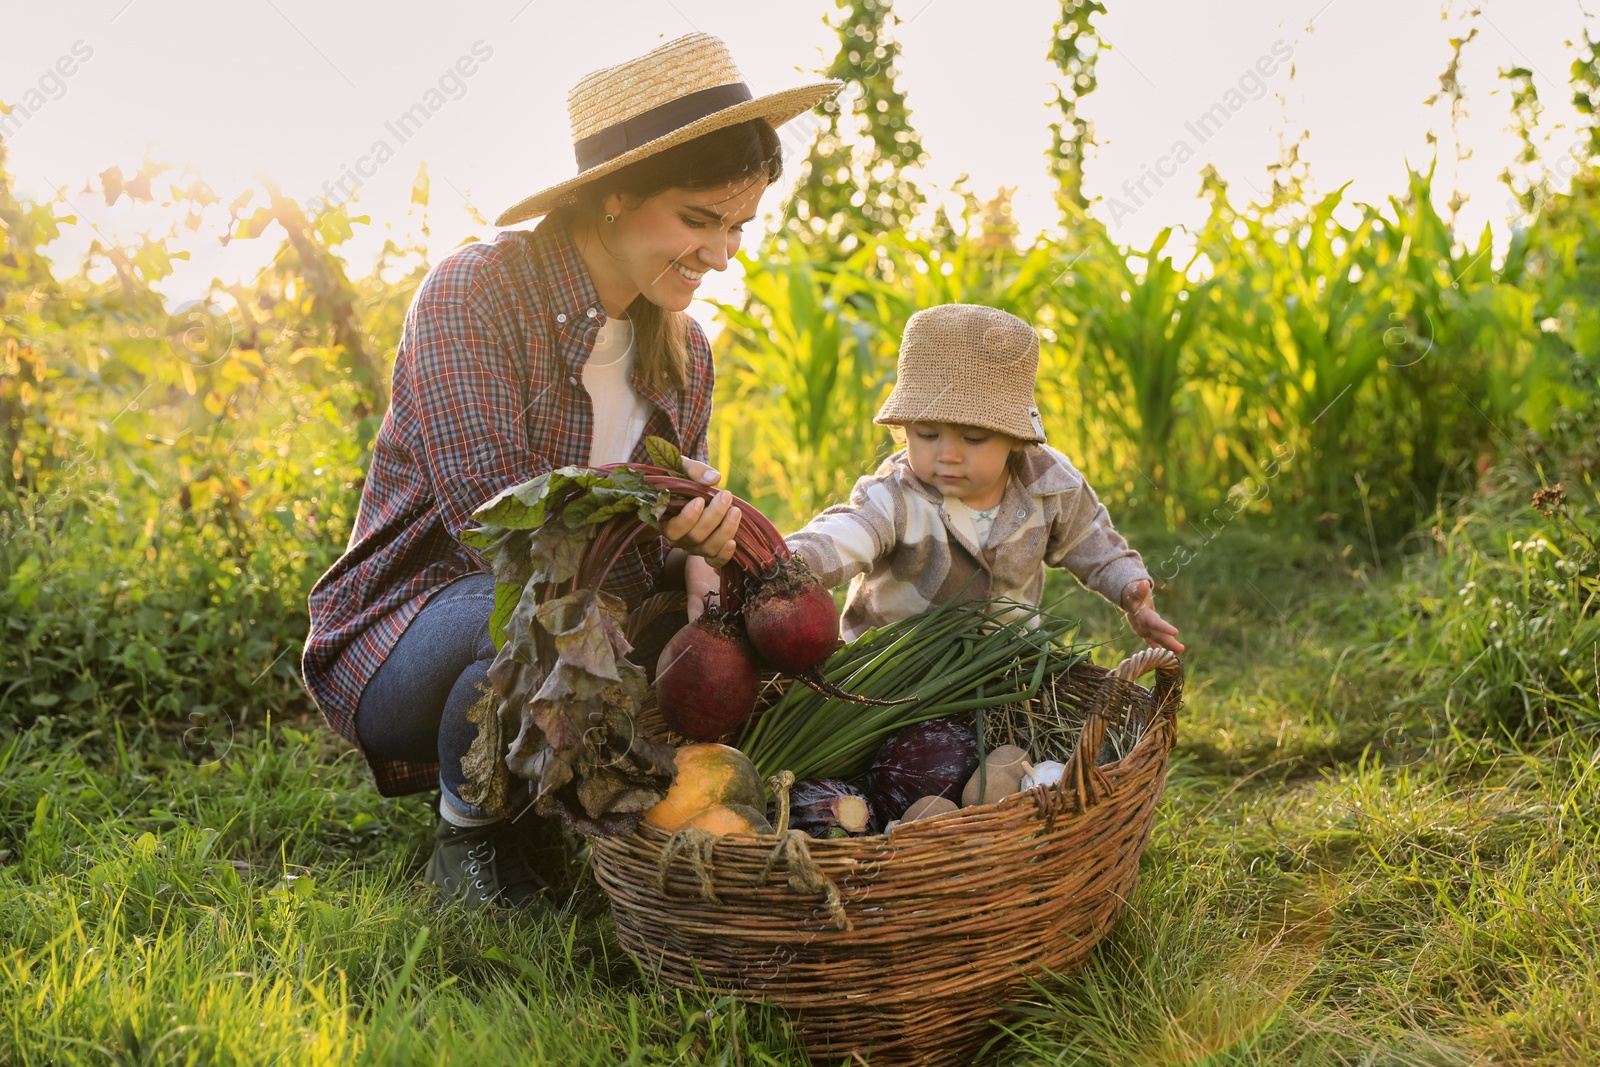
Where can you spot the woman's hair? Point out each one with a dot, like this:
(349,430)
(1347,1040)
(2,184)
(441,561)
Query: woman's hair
(732,154)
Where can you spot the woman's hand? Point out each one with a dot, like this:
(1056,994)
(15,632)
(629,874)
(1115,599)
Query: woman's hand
(703,582)
(1139,605)
(701,528)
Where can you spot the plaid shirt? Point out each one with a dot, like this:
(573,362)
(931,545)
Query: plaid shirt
(487,393)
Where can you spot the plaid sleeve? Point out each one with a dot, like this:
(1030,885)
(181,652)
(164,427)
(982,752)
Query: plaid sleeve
(1083,541)
(848,539)
(471,401)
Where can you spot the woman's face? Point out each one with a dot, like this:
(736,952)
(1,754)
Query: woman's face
(663,246)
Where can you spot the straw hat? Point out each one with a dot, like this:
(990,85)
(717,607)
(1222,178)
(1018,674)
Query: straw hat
(969,365)
(665,97)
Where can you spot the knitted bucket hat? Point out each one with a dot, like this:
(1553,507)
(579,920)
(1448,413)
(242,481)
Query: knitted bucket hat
(970,365)
(672,94)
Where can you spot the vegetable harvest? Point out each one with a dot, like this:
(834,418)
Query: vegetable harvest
(564,684)
(570,695)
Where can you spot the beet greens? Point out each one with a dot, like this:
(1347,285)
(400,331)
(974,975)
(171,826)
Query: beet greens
(564,685)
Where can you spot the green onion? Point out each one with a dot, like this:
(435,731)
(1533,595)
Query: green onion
(954,659)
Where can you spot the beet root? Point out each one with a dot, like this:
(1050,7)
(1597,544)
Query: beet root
(706,679)
(792,621)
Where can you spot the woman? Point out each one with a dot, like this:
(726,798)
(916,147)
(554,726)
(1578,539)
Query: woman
(564,345)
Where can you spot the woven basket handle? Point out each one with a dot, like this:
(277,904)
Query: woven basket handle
(1169,674)
(793,848)
(1081,776)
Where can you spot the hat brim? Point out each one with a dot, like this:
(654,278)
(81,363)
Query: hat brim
(777,108)
(901,410)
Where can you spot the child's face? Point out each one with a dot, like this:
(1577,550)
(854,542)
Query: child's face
(963,462)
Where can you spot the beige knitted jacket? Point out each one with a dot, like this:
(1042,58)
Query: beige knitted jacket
(903,552)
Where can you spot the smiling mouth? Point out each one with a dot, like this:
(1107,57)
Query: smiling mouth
(688,274)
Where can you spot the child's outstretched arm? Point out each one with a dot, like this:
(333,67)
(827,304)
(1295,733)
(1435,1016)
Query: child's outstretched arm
(1138,603)
(847,539)
(1083,541)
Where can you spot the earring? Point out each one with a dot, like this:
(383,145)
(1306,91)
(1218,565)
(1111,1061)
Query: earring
(610,217)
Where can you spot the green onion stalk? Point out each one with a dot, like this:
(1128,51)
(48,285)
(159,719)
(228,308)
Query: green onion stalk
(955,659)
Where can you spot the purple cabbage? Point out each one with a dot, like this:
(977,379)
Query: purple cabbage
(827,807)
(933,758)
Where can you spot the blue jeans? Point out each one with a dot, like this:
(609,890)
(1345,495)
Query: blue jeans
(415,707)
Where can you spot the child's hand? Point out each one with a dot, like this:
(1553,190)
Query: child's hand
(701,580)
(1139,605)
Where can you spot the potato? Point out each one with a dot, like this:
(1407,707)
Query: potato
(997,782)
(927,808)
(1007,756)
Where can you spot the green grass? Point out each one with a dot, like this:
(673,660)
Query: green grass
(1352,865)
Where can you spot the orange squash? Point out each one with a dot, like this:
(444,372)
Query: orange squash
(731,819)
(708,774)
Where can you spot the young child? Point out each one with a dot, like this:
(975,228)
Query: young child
(975,495)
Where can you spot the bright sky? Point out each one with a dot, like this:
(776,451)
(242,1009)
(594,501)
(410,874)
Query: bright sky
(299,90)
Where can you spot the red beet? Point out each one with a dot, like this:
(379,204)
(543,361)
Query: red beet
(792,621)
(706,679)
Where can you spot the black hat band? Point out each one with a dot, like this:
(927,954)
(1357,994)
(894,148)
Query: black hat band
(647,126)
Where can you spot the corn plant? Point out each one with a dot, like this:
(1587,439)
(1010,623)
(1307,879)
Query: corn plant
(1137,329)
(805,376)
(1458,339)
(1302,329)
(912,273)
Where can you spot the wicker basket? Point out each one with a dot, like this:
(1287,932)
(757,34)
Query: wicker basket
(902,948)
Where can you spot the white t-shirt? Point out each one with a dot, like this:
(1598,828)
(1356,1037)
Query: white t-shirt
(620,413)
(982,521)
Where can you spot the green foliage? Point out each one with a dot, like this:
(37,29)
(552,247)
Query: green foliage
(1528,188)
(1500,620)
(853,180)
(171,485)
(1563,272)
(1138,330)
(1584,76)
(1074,50)
(1305,327)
